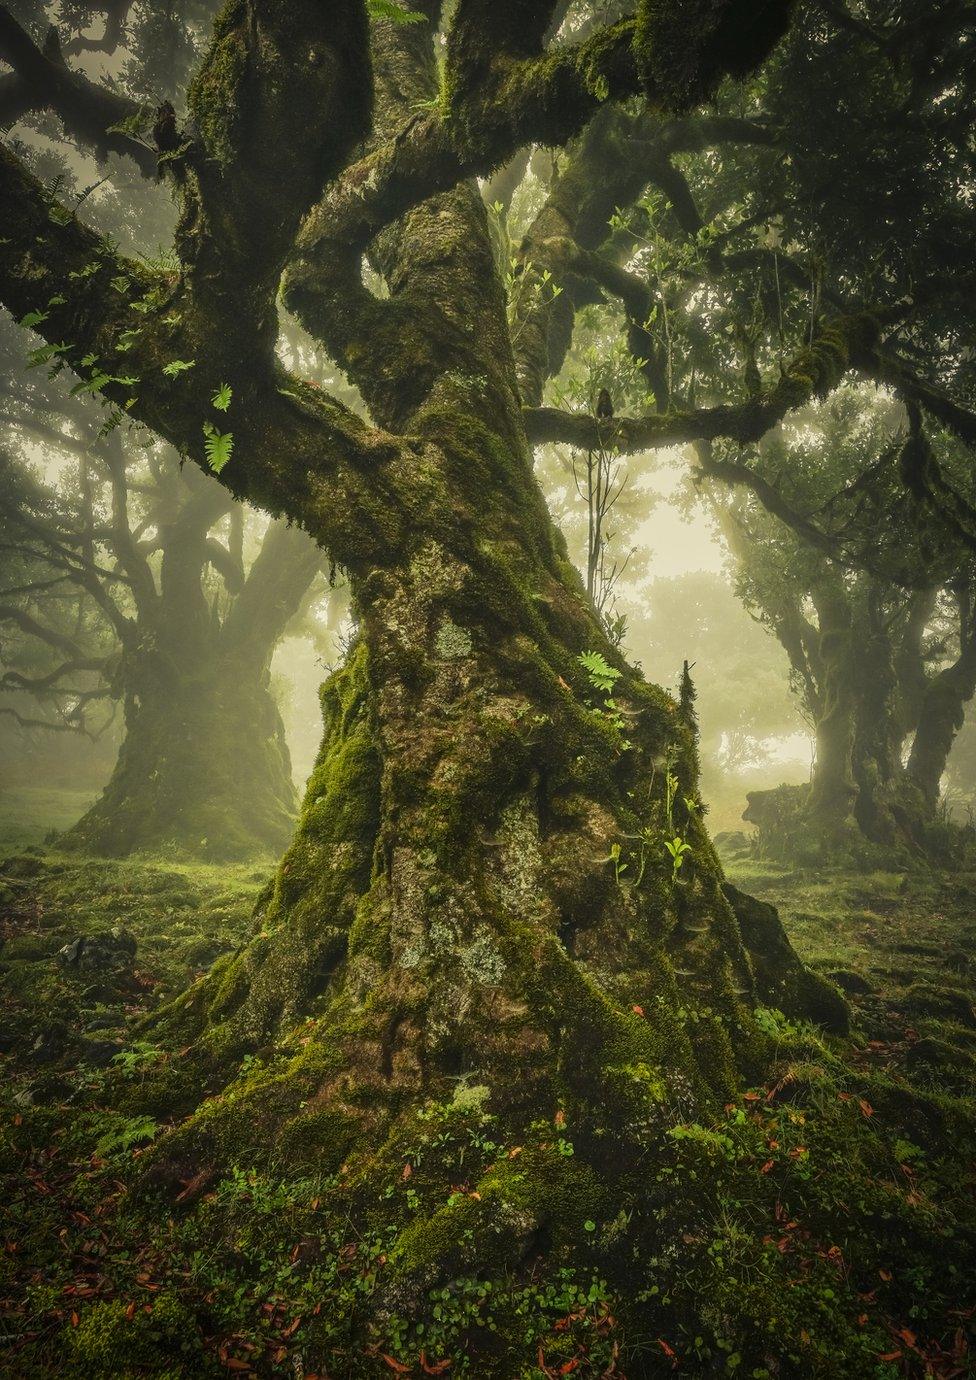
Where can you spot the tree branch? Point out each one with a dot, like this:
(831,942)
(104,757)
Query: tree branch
(87,110)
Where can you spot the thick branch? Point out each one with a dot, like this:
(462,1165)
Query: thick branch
(87,109)
(842,344)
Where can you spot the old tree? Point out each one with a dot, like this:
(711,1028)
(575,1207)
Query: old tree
(499,993)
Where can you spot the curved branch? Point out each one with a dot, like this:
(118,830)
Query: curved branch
(87,110)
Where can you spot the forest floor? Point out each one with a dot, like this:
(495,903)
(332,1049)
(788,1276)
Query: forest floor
(87,1289)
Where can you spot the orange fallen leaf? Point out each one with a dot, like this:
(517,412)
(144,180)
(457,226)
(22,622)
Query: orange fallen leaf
(668,1351)
(637,1010)
(407,1171)
(866,1108)
(130,1312)
(568,1367)
(560,1118)
(74,1320)
(890,1356)
(767,1166)
(396,1366)
(434,1367)
(885,1275)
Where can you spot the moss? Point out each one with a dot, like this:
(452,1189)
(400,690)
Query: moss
(683,53)
(108,1343)
(214,96)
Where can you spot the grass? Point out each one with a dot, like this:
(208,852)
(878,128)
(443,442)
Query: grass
(835,1197)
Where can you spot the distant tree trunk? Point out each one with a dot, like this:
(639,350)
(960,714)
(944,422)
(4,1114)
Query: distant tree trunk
(833,789)
(204,767)
(942,710)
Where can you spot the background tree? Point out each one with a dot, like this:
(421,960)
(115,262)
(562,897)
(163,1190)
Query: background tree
(879,638)
(183,626)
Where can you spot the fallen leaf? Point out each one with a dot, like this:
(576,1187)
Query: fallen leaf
(130,1312)
(407,1171)
(396,1366)
(637,1010)
(890,1356)
(767,1166)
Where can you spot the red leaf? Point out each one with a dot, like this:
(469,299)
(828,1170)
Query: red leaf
(668,1351)
(292,1327)
(434,1367)
(637,1010)
(907,1336)
(767,1166)
(396,1366)
(891,1356)
(74,1320)
(130,1312)
(568,1367)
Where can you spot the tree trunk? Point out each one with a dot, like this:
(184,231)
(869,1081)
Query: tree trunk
(479,904)
(204,767)
(833,790)
(940,719)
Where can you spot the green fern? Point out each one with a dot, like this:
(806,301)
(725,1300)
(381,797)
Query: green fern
(221,399)
(129,1132)
(389,9)
(602,675)
(177,367)
(218,446)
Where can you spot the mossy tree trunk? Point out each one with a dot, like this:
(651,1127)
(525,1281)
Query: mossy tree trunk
(479,888)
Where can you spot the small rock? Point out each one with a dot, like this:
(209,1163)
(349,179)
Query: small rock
(104,952)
